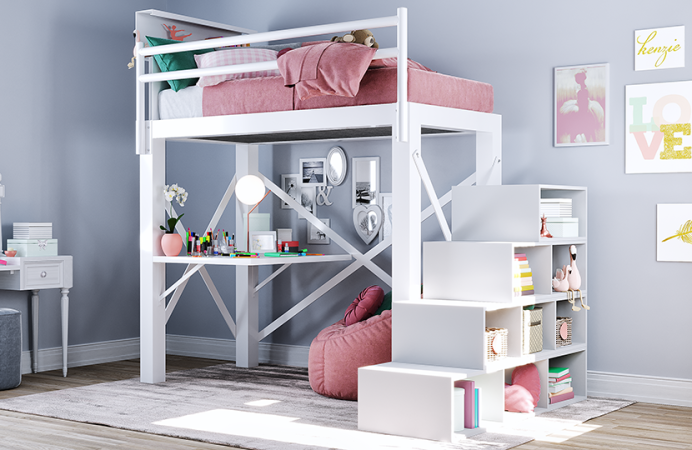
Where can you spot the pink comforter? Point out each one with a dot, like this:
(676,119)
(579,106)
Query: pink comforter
(328,68)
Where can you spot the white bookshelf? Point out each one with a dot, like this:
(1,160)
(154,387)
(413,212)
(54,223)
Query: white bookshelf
(467,286)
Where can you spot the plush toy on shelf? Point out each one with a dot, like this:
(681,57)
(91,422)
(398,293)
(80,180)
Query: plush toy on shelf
(364,37)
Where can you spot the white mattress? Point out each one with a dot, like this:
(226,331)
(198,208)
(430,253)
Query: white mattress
(184,104)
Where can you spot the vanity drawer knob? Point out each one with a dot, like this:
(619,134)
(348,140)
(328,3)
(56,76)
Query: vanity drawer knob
(43,274)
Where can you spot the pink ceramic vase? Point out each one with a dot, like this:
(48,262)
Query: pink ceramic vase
(171,243)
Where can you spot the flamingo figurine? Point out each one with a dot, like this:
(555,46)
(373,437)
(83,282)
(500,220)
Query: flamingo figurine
(574,277)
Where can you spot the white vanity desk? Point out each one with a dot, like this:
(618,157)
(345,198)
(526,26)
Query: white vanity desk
(33,274)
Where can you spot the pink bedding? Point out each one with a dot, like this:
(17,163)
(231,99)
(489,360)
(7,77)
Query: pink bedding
(378,86)
(327,68)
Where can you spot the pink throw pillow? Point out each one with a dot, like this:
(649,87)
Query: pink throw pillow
(527,377)
(231,58)
(518,399)
(365,305)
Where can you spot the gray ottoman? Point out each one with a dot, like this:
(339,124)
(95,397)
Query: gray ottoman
(10,348)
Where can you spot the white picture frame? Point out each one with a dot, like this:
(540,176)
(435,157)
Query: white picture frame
(262,241)
(674,232)
(656,115)
(386,205)
(315,236)
(581,105)
(313,171)
(365,176)
(308,197)
(290,184)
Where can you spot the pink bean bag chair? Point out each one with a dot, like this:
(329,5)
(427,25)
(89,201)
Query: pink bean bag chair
(340,349)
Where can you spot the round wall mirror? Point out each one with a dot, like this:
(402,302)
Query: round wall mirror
(336,165)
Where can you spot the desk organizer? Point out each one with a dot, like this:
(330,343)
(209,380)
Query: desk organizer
(34,247)
(496,343)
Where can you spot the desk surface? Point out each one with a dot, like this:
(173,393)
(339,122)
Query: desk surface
(244,261)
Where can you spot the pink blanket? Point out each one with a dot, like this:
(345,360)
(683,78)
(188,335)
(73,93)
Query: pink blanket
(327,68)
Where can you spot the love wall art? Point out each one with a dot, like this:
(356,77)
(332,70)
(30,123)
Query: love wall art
(658,138)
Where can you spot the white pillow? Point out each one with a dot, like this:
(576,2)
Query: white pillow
(233,57)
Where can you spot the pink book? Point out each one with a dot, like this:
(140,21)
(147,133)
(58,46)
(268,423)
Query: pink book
(3,262)
(557,380)
(469,387)
(561,397)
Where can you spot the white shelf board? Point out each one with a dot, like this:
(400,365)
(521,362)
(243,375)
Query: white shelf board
(509,362)
(425,369)
(563,240)
(556,187)
(493,306)
(468,432)
(244,261)
(576,399)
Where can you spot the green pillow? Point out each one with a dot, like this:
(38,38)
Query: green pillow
(386,304)
(176,61)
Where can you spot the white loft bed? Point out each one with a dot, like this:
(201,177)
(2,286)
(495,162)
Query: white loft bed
(404,122)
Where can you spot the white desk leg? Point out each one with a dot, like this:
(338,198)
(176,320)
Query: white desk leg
(64,312)
(247,317)
(34,330)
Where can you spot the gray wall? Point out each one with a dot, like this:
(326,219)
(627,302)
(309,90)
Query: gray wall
(638,305)
(68,158)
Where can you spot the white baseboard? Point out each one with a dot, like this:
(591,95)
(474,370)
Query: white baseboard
(83,354)
(119,350)
(666,391)
(224,349)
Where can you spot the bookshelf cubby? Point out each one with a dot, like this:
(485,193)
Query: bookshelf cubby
(467,286)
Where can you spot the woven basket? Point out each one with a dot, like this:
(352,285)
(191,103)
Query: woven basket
(495,343)
(563,336)
(532,331)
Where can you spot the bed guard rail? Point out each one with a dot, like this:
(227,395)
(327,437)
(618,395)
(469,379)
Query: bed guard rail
(400,52)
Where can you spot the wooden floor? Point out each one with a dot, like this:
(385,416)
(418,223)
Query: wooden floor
(640,426)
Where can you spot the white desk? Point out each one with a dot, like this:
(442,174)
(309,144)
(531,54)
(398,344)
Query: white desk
(33,274)
(155,313)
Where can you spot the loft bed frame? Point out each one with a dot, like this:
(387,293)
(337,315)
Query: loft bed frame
(403,122)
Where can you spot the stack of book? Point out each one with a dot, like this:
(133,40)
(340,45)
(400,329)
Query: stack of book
(472,402)
(22,230)
(522,284)
(555,207)
(559,385)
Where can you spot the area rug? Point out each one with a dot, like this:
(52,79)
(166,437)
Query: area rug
(264,408)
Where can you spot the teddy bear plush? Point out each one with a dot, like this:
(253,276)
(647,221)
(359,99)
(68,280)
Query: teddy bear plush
(364,37)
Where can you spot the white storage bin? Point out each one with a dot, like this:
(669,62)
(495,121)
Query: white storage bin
(34,247)
(563,227)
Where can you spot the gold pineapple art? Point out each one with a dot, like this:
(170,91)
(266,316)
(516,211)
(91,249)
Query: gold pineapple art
(684,233)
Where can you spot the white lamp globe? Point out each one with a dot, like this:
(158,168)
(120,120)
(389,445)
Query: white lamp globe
(249,189)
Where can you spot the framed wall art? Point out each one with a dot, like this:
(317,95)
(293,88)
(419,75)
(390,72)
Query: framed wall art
(674,232)
(290,183)
(315,236)
(365,173)
(657,121)
(313,171)
(581,105)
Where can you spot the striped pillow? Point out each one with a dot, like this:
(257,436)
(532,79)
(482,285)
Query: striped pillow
(233,57)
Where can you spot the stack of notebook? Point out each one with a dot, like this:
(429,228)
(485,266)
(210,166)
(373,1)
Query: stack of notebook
(559,385)
(522,284)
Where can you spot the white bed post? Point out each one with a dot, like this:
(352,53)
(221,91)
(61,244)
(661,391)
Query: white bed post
(406,247)
(140,126)
(152,176)
(246,277)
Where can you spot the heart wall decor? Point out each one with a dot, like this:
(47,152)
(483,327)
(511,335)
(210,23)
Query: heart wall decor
(367,220)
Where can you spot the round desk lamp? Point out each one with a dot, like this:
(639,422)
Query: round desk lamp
(250,190)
